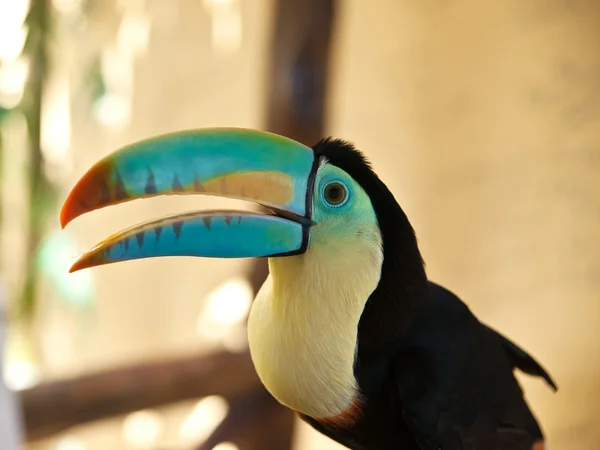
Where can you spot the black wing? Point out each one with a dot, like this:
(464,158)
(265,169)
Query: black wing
(520,359)
(456,383)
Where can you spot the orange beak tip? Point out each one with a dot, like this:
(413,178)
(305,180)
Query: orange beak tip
(76,266)
(68,213)
(81,263)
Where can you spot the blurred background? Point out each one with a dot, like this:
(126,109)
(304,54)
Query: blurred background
(482,117)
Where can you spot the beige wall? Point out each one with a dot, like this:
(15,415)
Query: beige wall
(481,116)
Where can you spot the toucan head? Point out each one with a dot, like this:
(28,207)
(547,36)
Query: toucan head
(316,196)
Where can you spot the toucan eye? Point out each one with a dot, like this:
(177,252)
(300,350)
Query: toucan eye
(335,193)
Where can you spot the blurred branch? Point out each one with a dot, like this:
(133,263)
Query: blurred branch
(52,407)
(40,189)
(298,74)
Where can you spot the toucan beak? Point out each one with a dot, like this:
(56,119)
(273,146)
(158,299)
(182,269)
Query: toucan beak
(265,168)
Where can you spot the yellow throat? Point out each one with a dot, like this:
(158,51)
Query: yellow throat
(303,325)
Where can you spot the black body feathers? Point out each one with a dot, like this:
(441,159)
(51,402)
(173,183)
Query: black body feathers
(432,375)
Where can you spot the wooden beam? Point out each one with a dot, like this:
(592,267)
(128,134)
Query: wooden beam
(52,407)
(298,71)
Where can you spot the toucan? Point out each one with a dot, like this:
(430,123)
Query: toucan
(347,330)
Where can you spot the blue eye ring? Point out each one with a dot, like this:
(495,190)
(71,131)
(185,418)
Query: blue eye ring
(335,194)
